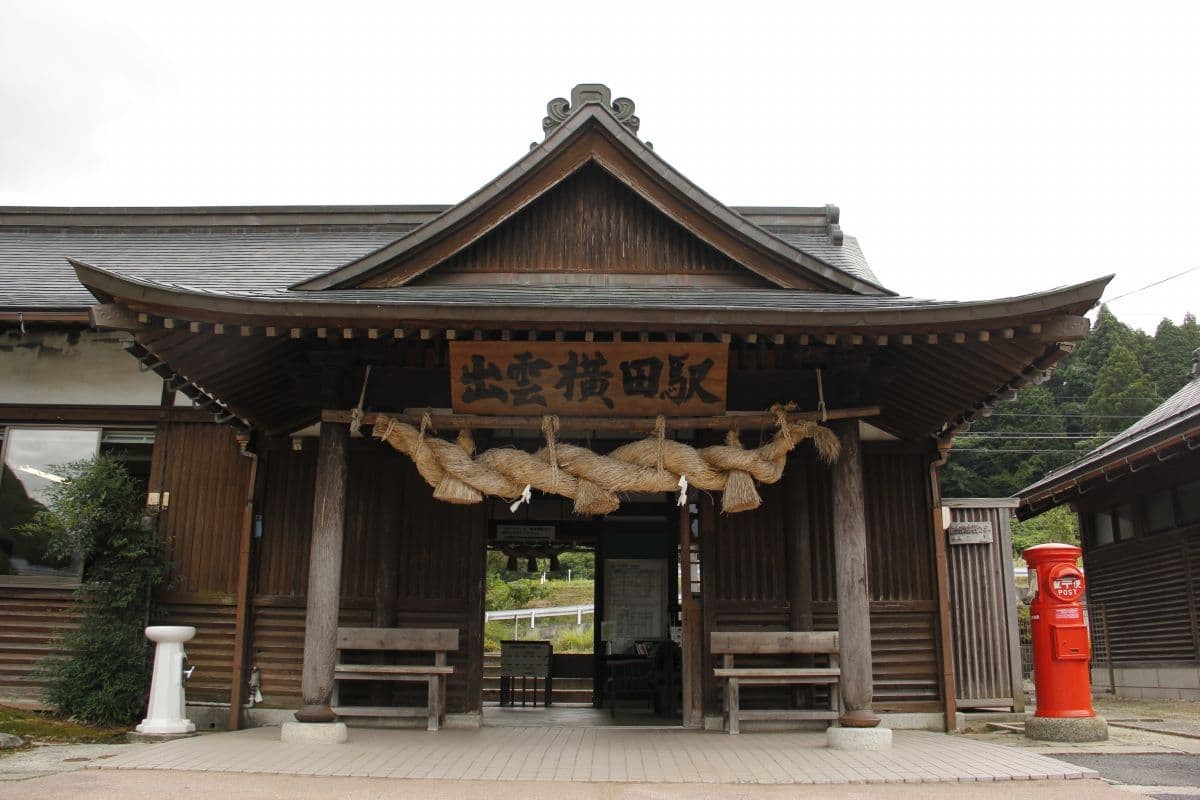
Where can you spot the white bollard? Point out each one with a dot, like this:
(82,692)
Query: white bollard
(166,712)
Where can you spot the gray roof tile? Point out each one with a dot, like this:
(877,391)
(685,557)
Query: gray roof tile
(34,273)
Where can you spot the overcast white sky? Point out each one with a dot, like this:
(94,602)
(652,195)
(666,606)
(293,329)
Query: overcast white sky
(975,151)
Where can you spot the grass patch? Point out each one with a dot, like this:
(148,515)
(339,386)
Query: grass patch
(565,593)
(41,727)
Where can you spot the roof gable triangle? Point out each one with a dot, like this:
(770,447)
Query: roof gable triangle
(592,140)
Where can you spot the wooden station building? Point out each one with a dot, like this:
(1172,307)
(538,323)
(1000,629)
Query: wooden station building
(589,296)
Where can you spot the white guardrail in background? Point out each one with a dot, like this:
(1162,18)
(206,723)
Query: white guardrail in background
(533,614)
(589,609)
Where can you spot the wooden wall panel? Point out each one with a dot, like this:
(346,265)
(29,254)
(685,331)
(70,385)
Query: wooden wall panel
(1148,586)
(211,652)
(748,564)
(900,558)
(592,223)
(745,584)
(278,647)
(32,616)
(201,467)
(287,520)
(439,549)
(983,614)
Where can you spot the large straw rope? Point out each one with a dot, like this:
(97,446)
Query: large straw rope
(593,481)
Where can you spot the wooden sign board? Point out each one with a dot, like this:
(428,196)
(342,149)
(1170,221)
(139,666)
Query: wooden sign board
(525,534)
(632,379)
(970,533)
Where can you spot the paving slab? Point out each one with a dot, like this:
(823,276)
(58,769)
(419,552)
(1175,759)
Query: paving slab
(154,785)
(601,755)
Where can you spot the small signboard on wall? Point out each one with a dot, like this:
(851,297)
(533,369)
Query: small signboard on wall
(525,534)
(970,532)
(589,378)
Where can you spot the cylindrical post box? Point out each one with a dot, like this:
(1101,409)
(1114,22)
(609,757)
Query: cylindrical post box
(1061,652)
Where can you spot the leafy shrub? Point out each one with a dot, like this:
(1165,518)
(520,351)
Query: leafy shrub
(96,514)
(503,595)
(574,640)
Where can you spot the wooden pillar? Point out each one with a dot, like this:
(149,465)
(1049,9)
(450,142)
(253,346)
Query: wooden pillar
(244,590)
(324,576)
(853,594)
(945,634)
(692,631)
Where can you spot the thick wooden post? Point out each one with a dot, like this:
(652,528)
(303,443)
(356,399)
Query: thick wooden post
(853,594)
(324,576)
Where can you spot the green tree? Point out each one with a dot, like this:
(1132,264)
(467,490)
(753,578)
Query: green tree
(1122,391)
(96,514)
(995,460)
(1169,361)
(1075,378)
(1059,524)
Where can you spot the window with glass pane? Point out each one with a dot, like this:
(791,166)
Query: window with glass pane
(32,458)
(1160,511)
(1102,528)
(1124,522)
(1189,502)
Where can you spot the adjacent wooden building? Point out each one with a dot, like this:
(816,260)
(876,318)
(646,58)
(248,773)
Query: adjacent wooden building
(1138,500)
(591,297)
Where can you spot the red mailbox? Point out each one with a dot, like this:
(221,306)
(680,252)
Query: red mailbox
(1061,651)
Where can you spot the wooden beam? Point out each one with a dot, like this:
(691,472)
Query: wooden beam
(114,318)
(1059,329)
(736,420)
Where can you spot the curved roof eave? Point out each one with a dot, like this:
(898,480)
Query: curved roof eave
(108,285)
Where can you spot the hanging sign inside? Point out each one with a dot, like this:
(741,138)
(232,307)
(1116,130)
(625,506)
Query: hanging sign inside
(589,378)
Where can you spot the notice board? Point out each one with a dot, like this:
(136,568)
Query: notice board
(635,600)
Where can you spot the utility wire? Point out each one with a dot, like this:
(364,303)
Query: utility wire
(1151,284)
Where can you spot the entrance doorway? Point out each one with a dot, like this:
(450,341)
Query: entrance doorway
(591,632)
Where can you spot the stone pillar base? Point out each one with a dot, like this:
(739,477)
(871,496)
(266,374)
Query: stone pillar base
(313,733)
(859,738)
(1067,729)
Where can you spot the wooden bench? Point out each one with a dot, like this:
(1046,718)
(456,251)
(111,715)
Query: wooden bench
(730,645)
(437,641)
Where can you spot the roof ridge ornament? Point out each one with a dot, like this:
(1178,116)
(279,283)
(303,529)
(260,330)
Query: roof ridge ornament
(559,109)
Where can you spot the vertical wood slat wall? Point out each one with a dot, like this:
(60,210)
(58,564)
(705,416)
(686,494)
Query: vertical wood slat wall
(439,550)
(745,581)
(206,476)
(983,613)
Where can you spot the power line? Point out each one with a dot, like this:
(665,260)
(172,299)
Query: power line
(1011,452)
(1149,285)
(1057,416)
